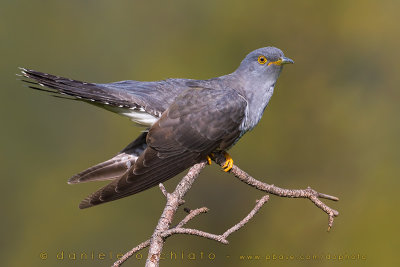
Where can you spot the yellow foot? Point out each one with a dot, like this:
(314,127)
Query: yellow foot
(208,160)
(228,162)
(210,157)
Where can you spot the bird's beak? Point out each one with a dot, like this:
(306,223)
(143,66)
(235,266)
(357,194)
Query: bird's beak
(281,61)
(286,60)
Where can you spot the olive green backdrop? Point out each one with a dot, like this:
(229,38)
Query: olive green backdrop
(333,124)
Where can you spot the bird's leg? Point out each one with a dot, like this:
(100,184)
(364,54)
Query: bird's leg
(228,162)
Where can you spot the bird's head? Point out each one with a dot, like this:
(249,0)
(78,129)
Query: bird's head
(257,75)
(263,65)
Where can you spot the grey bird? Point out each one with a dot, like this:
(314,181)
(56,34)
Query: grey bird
(187,120)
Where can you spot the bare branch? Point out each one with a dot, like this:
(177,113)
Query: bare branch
(191,215)
(175,199)
(146,243)
(178,229)
(254,211)
(163,190)
(173,202)
(309,193)
(189,231)
(220,238)
(127,255)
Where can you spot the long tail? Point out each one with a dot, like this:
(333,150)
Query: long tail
(89,92)
(149,170)
(123,100)
(113,168)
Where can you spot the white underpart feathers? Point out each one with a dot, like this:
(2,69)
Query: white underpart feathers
(141,117)
(137,115)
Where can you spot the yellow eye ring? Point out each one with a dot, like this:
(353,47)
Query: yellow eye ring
(262,60)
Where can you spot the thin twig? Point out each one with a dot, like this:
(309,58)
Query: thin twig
(245,220)
(163,190)
(191,215)
(309,193)
(127,255)
(189,231)
(219,238)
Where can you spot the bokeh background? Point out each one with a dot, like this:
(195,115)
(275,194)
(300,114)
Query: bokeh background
(333,124)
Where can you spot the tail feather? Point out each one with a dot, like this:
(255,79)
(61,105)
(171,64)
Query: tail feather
(113,168)
(108,170)
(39,89)
(125,101)
(130,183)
(90,92)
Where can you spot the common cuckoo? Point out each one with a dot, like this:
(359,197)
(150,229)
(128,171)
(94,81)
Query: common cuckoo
(186,120)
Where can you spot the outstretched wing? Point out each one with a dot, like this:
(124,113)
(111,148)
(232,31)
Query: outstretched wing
(197,123)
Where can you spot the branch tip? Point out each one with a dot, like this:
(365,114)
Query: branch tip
(163,190)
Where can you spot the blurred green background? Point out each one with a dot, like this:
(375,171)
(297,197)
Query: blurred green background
(332,124)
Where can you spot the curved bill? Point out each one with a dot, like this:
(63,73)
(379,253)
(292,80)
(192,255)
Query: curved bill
(286,60)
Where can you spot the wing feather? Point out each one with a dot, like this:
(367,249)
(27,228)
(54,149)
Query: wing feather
(197,123)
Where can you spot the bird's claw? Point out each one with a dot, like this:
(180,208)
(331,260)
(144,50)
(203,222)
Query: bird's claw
(228,162)
(208,160)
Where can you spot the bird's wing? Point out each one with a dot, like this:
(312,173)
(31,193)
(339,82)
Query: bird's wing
(143,102)
(198,122)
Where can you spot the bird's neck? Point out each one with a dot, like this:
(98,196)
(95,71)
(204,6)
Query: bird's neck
(257,93)
(258,98)
(256,90)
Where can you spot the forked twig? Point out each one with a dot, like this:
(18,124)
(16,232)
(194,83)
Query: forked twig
(178,229)
(175,199)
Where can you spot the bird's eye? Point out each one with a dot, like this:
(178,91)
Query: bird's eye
(262,60)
